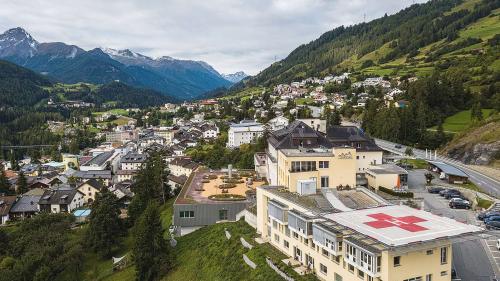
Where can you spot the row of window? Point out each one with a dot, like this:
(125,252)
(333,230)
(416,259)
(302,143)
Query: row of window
(190,214)
(443,258)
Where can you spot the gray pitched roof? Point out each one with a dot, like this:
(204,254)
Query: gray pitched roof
(26,203)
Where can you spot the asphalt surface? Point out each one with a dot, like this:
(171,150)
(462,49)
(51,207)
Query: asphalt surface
(488,184)
(473,259)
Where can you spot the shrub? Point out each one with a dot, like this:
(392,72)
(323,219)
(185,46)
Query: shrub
(212,177)
(205,181)
(227,185)
(236,181)
(227,197)
(404,194)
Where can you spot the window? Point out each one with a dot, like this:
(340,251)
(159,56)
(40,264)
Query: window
(337,259)
(329,244)
(444,255)
(428,277)
(324,252)
(186,214)
(337,277)
(222,214)
(419,278)
(444,273)
(323,268)
(287,231)
(429,252)
(324,164)
(303,166)
(295,235)
(361,274)
(325,181)
(351,268)
(370,278)
(275,224)
(276,238)
(286,244)
(397,261)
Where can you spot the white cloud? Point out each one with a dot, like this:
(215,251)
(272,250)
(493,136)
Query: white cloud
(231,35)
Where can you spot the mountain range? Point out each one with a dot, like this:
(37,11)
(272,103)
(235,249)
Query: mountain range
(182,79)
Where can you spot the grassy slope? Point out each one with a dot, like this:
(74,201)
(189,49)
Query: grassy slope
(206,254)
(460,121)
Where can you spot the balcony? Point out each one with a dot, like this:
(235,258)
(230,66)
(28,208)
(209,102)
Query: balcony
(328,238)
(300,223)
(364,257)
(278,211)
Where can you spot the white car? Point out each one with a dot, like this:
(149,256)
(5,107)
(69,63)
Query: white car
(459,199)
(498,244)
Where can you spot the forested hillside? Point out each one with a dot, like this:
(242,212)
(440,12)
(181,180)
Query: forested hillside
(416,40)
(24,111)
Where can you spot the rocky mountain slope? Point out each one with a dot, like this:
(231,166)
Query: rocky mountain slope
(184,79)
(479,145)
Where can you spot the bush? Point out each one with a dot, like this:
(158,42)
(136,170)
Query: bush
(205,181)
(404,194)
(235,181)
(227,197)
(227,185)
(212,177)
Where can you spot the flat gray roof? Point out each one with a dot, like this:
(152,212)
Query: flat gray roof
(448,169)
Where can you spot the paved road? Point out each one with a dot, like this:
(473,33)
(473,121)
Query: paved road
(488,184)
(472,259)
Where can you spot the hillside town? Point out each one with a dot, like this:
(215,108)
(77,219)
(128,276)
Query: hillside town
(311,183)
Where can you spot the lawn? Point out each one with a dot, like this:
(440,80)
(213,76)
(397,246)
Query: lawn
(416,163)
(460,121)
(116,111)
(302,101)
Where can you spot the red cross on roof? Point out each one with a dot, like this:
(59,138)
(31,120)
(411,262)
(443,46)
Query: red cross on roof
(408,223)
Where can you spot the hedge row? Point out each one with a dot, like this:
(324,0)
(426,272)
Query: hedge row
(404,194)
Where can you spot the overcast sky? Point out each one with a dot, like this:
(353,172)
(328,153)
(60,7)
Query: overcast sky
(231,35)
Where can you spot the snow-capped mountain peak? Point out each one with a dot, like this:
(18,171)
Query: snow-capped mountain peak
(17,40)
(235,77)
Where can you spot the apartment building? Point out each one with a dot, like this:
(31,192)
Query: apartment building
(300,157)
(244,132)
(314,212)
(383,243)
(367,152)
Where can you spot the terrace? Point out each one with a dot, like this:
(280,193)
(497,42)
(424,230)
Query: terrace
(205,186)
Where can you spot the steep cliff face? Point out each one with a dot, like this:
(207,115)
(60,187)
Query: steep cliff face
(479,145)
(476,154)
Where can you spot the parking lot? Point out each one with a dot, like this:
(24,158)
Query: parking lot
(475,259)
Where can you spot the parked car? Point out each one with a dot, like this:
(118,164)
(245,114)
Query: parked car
(435,189)
(443,192)
(485,215)
(460,204)
(455,195)
(493,225)
(498,244)
(492,218)
(398,146)
(457,199)
(450,192)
